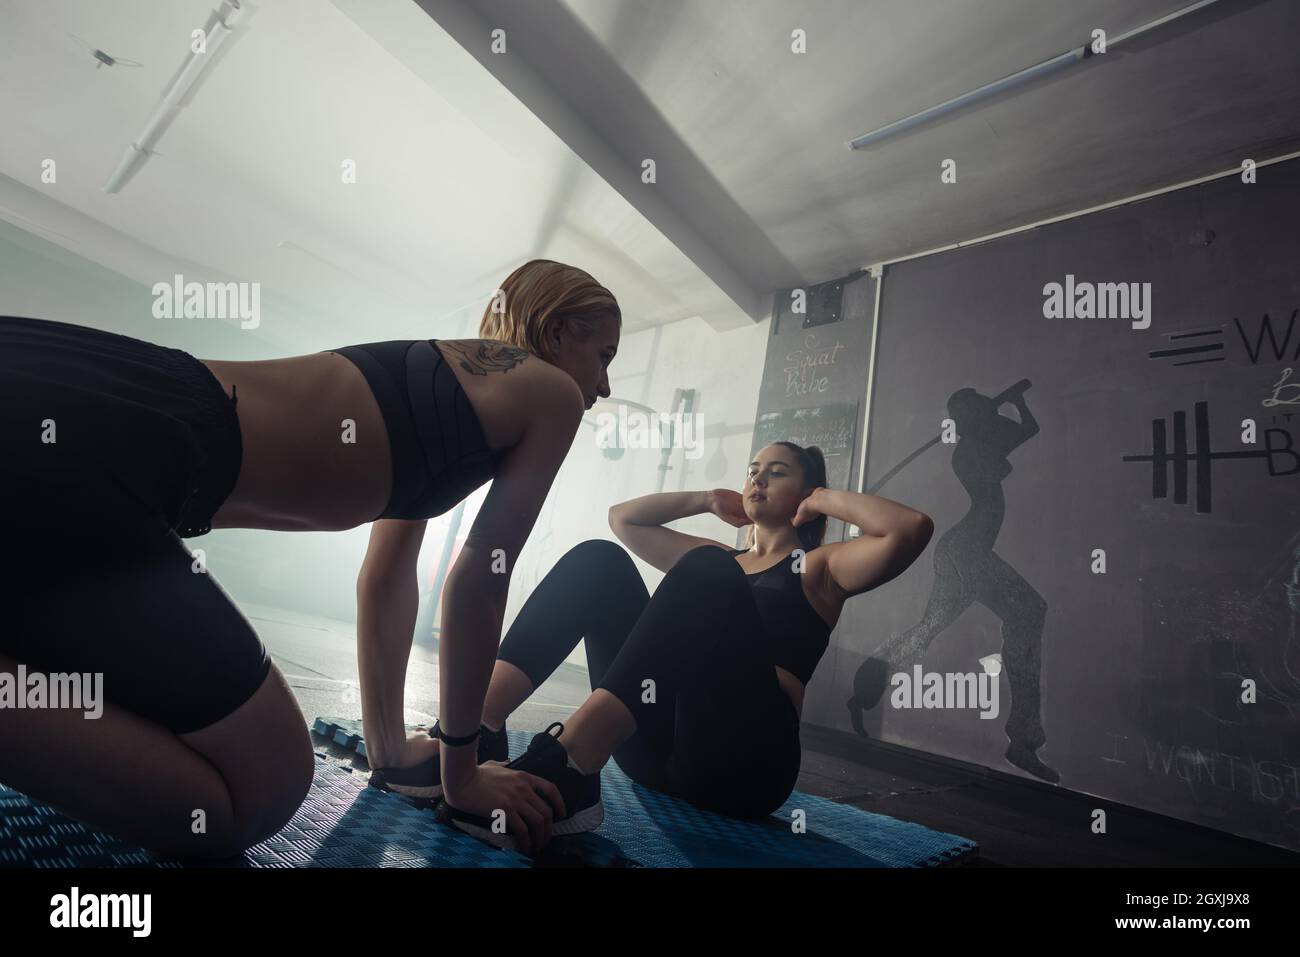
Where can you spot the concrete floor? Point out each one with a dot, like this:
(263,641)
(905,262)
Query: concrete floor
(1017,823)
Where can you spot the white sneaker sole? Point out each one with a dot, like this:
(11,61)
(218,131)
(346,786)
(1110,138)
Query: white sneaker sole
(427,794)
(585,820)
(409,790)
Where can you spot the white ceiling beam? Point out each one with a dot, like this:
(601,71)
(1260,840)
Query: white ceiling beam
(576,86)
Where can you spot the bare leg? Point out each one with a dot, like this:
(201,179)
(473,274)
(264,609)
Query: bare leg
(248,773)
(590,735)
(596,729)
(509,688)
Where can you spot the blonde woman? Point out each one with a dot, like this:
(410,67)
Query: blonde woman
(143,445)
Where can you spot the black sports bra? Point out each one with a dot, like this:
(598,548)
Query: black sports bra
(796,634)
(439,451)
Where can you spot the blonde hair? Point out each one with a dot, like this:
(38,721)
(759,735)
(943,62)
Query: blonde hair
(541,293)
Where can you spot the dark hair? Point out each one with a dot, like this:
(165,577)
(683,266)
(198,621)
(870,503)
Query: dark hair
(813,464)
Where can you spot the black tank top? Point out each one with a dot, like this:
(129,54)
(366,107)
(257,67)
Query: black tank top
(440,454)
(796,634)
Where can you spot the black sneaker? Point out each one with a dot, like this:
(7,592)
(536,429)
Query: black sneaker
(547,759)
(423,781)
(492,745)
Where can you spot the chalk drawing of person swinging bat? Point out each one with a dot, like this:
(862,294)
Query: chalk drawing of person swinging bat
(968,570)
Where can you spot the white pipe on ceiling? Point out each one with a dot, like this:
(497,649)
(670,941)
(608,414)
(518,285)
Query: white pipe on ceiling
(1053,65)
(139,151)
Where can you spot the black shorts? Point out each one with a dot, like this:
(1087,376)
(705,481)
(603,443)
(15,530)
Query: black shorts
(111,449)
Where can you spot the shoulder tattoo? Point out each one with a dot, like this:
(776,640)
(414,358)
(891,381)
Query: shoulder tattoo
(481,356)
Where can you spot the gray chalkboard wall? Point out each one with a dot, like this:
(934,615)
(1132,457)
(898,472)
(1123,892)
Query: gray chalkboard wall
(814,377)
(1169,452)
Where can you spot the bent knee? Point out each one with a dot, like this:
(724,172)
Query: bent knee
(597,556)
(261,815)
(598,548)
(264,754)
(275,807)
(711,558)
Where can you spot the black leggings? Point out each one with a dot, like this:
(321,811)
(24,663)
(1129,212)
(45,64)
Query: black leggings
(146,444)
(719,732)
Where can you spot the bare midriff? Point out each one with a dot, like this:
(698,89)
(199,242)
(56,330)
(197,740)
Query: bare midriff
(316,454)
(315,448)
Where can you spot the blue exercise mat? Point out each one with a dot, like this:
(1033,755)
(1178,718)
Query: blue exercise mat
(648,829)
(345,732)
(342,823)
(652,829)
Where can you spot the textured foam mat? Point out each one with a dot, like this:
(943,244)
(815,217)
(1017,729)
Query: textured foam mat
(648,829)
(345,732)
(342,823)
(651,829)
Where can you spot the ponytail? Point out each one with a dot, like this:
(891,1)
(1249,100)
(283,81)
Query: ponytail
(813,464)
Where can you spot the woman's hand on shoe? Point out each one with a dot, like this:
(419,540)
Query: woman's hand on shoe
(530,803)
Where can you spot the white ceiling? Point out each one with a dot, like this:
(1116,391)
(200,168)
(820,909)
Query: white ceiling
(470,162)
(442,211)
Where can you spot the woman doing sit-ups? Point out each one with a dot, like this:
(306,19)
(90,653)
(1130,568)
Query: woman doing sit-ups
(697,690)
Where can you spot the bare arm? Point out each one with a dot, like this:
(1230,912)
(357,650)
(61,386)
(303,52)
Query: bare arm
(387,600)
(894,536)
(480,580)
(638,524)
